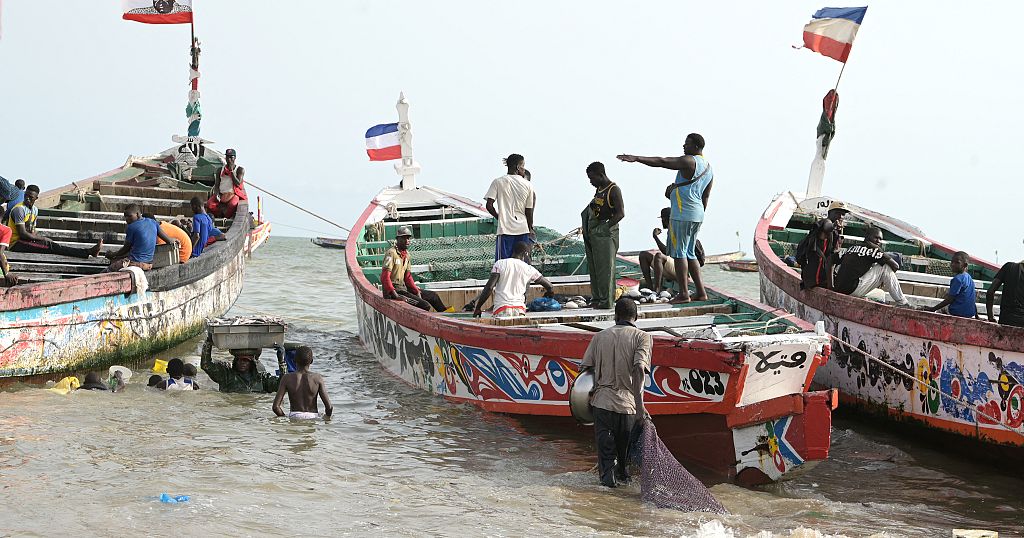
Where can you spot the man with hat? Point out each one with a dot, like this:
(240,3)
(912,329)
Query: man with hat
(228,190)
(396,278)
(837,212)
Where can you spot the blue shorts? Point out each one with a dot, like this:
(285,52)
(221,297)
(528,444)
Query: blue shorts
(505,245)
(682,239)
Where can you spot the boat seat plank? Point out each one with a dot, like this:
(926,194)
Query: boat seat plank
(147,192)
(29,257)
(68,268)
(82,236)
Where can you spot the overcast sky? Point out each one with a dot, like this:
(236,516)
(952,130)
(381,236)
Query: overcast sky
(928,121)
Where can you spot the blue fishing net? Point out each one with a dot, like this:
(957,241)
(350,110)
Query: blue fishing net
(664,482)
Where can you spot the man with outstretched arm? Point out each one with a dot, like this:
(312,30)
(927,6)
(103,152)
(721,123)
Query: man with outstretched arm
(600,225)
(620,357)
(689,195)
(396,277)
(509,280)
(510,200)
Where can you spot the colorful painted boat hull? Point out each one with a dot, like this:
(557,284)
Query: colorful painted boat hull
(954,376)
(739,409)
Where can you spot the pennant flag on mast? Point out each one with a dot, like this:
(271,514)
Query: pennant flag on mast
(382,142)
(832,30)
(157,11)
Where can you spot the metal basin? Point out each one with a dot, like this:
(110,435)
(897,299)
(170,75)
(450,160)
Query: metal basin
(579,398)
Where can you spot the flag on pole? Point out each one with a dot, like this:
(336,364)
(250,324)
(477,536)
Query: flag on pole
(382,142)
(832,30)
(157,11)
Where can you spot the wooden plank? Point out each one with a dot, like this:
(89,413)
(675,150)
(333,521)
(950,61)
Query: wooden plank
(76,269)
(147,192)
(28,257)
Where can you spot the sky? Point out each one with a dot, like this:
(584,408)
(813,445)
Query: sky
(928,121)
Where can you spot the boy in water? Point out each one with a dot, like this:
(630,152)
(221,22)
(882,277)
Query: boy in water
(302,387)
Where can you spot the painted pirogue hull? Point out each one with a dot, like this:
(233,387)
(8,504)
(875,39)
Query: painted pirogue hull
(738,411)
(48,328)
(258,236)
(978,366)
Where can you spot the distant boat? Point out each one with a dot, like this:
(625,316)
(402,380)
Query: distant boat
(726,257)
(749,266)
(329,242)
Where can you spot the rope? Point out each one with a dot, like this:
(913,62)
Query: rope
(265,191)
(926,388)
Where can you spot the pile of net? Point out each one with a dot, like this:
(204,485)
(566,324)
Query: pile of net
(663,480)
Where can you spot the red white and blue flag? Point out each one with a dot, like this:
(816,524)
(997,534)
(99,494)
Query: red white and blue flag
(832,30)
(382,142)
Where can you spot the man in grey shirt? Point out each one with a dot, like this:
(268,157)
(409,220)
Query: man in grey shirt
(620,356)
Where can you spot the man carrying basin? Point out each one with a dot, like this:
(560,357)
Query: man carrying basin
(245,339)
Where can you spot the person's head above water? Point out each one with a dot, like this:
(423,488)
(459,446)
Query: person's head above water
(244,360)
(190,370)
(625,309)
(176,368)
(154,380)
(694,144)
(93,381)
(516,164)
(303,357)
(597,175)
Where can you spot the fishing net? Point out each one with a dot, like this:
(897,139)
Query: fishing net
(663,480)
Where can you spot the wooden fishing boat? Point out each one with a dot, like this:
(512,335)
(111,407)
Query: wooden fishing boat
(66,314)
(749,266)
(260,233)
(724,257)
(961,378)
(329,242)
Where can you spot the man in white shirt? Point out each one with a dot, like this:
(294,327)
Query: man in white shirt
(509,280)
(510,201)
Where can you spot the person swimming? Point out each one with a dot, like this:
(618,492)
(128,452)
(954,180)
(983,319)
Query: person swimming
(176,379)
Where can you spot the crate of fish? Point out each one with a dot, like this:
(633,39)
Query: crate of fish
(253,332)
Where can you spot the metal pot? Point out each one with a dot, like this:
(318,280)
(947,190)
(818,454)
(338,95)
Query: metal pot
(579,398)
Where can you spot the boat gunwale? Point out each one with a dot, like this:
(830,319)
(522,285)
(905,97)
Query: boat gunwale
(915,323)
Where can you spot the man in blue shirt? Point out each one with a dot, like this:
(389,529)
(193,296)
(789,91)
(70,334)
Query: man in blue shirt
(961,298)
(19,197)
(202,228)
(139,242)
(689,195)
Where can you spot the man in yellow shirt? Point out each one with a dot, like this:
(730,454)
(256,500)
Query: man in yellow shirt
(396,278)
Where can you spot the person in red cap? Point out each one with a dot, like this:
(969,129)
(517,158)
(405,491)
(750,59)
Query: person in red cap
(228,190)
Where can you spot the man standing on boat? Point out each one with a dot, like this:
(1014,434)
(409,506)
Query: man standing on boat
(22,223)
(619,356)
(1011,305)
(510,201)
(228,190)
(865,268)
(601,235)
(689,197)
(396,278)
(509,280)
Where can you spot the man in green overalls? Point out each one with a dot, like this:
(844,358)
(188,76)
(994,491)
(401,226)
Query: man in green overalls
(601,235)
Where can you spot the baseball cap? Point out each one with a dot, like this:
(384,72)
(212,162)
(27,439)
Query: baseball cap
(837,205)
(403,230)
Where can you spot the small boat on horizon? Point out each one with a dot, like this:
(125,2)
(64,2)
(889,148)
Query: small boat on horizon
(957,378)
(749,266)
(329,242)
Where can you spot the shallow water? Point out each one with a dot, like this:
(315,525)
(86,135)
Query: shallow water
(395,461)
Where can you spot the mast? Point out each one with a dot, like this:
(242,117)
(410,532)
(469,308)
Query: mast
(408,167)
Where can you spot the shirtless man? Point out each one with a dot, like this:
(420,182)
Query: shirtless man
(302,387)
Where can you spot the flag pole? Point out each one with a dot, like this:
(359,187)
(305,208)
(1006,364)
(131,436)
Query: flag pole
(836,87)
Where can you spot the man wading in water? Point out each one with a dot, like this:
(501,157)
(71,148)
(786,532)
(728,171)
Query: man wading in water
(243,374)
(302,388)
(620,356)
(689,197)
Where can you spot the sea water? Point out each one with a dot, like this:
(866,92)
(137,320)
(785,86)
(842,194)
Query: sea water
(397,462)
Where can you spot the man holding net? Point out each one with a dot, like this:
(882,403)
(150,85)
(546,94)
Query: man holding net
(620,357)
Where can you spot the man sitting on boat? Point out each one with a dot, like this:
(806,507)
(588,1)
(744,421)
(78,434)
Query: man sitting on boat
(204,233)
(139,242)
(22,223)
(620,356)
(1011,306)
(659,262)
(243,375)
(396,278)
(228,190)
(865,267)
(509,280)
(961,299)
(510,201)
(816,256)
(177,233)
